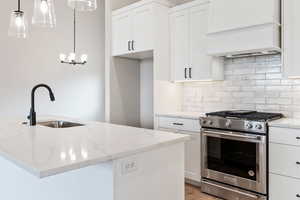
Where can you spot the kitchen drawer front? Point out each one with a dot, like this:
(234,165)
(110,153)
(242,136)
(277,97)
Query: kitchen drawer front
(285,136)
(285,160)
(284,188)
(191,125)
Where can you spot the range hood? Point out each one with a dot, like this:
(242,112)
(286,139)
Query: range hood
(244,28)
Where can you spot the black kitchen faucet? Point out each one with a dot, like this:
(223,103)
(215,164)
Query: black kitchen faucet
(32,114)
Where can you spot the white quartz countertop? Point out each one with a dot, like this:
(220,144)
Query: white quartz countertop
(286,123)
(186,115)
(45,151)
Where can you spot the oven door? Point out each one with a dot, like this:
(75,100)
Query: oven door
(235,158)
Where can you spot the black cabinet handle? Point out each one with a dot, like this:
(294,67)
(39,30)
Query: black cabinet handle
(129,48)
(298,195)
(190,72)
(298,138)
(178,124)
(185,76)
(298,163)
(132,45)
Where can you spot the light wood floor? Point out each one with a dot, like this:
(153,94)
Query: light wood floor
(194,193)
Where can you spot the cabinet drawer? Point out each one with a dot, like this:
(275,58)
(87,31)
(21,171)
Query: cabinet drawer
(285,136)
(179,124)
(285,160)
(284,188)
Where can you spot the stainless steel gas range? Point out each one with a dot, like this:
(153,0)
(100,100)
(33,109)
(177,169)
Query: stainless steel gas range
(234,154)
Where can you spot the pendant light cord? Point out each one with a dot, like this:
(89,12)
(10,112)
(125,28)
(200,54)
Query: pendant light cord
(74,30)
(19,5)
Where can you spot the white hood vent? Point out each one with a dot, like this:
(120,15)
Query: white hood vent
(244,28)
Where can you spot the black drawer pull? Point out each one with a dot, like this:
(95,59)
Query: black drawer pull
(298,138)
(178,124)
(129,43)
(298,195)
(132,45)
(298,163)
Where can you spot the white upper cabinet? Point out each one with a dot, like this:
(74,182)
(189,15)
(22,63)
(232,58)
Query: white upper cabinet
(247,26)
(143,28)
(180,44)
(189,59)
(291,39)
(122,33)
(134,27)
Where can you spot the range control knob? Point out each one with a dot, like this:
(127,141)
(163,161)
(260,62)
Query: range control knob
(258,126)
(209,122)
(249,126)
(228,123)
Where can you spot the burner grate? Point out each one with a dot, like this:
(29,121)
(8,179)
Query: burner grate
(247,115)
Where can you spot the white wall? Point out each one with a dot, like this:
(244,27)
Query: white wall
(146,93)
(24,63)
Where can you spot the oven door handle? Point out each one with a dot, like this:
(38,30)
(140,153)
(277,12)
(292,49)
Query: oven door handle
(256,139)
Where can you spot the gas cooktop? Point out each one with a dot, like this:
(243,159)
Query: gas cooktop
(247,115)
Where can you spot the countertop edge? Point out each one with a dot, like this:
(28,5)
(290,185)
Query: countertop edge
(290,123)
(76,166)
(194,116)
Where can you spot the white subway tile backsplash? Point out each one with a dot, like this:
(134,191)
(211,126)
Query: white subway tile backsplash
(254,83)
(281,101)
(274,76)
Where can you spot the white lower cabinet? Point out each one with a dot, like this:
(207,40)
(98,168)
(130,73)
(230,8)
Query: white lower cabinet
(284,164)
(284,159)
(193,157)
(192,147)
(284,188)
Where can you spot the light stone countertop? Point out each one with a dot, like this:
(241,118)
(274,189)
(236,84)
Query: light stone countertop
(185,115)
(286,123)
(45,151)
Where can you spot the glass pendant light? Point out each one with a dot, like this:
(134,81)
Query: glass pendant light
(44,13)
(18,26)
(83,5)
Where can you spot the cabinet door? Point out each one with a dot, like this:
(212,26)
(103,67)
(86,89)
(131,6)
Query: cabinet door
(193,157)
(200,62)
(180,44)
(291,38)
(122,33)
(143,29)
(284,188)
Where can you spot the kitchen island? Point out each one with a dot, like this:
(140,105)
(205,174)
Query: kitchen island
(91,162)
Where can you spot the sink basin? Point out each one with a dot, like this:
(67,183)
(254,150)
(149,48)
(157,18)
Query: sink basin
(60,124)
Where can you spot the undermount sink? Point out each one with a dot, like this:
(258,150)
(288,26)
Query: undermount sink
(60,124)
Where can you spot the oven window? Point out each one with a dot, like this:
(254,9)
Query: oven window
(232,157)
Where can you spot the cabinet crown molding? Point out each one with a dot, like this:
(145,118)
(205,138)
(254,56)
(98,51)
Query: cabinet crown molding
(142,3)
(188,5)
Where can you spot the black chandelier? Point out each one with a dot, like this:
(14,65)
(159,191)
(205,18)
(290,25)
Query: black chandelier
(71,58)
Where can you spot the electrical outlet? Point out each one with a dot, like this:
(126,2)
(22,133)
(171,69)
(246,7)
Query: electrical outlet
(129,166)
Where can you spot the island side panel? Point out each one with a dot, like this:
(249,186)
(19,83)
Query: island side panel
(153,175)
(90,183)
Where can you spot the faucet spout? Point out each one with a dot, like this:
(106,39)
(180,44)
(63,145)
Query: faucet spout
(32,114)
